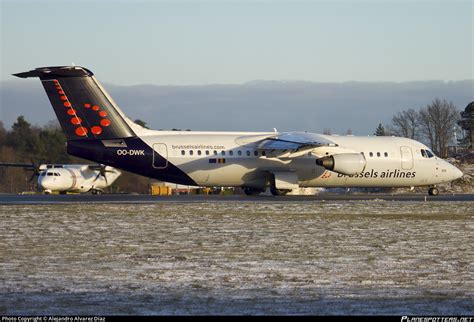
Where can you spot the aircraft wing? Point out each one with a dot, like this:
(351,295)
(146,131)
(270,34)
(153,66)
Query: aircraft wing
(292,144)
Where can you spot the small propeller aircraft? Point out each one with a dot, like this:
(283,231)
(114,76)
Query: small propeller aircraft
(70,177)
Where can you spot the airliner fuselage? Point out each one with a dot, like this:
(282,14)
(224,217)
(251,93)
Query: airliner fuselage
(226,159)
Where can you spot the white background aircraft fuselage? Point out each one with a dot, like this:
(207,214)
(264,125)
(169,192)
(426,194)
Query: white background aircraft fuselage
(75,178)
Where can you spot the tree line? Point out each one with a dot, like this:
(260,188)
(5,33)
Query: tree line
(436,124)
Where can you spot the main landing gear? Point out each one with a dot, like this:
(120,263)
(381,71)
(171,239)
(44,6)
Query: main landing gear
(278,192)
(256,191)
(252,191)
(433,191)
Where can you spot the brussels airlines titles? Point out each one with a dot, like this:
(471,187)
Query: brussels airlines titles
(385,174)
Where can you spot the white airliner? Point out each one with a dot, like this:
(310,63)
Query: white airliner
(98,130)
(71,177)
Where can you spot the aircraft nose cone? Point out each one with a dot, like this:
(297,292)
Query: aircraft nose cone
(457,173)
(45,183)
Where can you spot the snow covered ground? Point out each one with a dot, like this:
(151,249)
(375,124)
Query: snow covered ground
(351,257)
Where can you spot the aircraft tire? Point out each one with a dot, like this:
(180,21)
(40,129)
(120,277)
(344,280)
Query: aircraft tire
(433,191)
(278,192)
(252,191)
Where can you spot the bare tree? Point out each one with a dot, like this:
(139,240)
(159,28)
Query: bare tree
(405,124)
(437,121)
(3,134)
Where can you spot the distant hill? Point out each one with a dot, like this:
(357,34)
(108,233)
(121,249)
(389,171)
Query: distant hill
(252,106)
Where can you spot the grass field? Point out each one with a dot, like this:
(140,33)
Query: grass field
(351,257)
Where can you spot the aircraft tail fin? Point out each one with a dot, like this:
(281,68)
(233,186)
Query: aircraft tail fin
(82,106)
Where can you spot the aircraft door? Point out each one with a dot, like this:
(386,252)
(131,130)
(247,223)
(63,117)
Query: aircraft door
(160,156)
(407,157)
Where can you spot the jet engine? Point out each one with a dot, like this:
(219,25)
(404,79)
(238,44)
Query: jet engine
(344,163)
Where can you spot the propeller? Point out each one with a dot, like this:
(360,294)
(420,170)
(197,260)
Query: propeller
(102,171)
(27,166)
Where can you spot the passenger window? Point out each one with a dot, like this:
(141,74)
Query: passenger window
(231,153)
(199,152)
(239,153)
(215,152)
(248,153)
(190,152)
(378,154)
(371,154)
(255,153)
(207,152)
(183,152)
(263,153)
(386,154)
(223,152)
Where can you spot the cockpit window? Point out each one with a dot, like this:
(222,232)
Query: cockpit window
(49,174)
(426,153)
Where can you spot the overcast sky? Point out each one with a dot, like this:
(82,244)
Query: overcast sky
(177,42)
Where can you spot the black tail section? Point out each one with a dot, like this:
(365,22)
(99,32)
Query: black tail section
(83,108)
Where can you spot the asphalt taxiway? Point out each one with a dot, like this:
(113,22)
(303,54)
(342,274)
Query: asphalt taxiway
(14,199)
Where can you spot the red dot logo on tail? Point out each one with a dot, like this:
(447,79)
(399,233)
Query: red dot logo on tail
(104,122)
(96,130)
(81,131)
(76,120)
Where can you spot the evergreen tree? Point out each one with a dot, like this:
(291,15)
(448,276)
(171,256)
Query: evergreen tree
(380,130)
(141,123)
(23,139)
(467,124)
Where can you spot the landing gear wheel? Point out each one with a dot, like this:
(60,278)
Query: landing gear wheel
(252,191)
(278,192)
(433,191)
(96,192)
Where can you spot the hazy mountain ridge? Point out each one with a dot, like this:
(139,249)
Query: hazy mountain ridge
(255,106)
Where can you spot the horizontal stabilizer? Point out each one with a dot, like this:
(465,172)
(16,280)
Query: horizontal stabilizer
(55,72)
